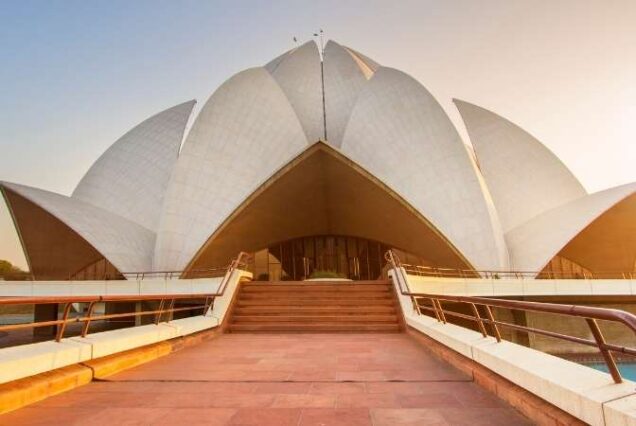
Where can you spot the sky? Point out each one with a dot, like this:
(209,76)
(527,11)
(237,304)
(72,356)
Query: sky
(76,75)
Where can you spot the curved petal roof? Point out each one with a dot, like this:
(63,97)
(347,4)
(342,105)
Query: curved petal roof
(400,134)
(130,178)
(127,245)
(523,176)
(533,244)
(298,75)
(244,133)
(379,119)
(344,79)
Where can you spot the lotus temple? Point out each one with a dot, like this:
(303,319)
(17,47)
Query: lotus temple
(312,173)
(317,245)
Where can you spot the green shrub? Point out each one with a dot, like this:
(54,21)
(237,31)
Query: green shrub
(326,274)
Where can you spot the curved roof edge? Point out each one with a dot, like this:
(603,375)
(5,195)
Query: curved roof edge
(125,244)
(533,244)
(245,131)
(395,120)
(524,177)
(131,176)
(297,73)
(343,158)
(344,80)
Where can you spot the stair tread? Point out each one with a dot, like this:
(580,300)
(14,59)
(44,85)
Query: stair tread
(291,306)
(304,318)
(321,326)
(314,296)
(317,283)
(266,302)
(301,311)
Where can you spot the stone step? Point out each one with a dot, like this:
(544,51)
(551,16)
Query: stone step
(301,295)
(341,319)
(291,327)
(328,307)
(315,302)
(344,310)
(316,283)
(248,288)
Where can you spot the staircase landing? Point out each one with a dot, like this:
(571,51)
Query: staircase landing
(315,306)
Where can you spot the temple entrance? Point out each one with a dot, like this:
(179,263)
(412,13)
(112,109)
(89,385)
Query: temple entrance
(321,256)
(322,214)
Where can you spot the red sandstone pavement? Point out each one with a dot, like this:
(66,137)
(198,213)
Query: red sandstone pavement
(282,379)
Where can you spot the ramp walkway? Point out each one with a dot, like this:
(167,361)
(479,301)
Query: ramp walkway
(282,379)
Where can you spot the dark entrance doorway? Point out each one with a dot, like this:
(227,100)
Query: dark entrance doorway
(320,256)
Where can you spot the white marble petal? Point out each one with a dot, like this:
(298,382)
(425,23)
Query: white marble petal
(298,74)
(131,177)
(533,244)
(127,245)
(243,134)
(343,82)
(523,176)
(401,135)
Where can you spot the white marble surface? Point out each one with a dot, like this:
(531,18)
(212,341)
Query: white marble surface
(126,244)
(131,177)
(524,177)
(538,240)
(402,136)
(245,132)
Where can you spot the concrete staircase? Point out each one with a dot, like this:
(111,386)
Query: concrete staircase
(324,306)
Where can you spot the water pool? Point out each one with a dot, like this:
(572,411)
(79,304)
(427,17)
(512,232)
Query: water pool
(627,369)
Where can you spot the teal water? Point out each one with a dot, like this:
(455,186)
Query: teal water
(628,370)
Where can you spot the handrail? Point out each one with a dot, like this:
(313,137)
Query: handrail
(215,271)
(166,304)
(240,260)
(590,314)
(432,271)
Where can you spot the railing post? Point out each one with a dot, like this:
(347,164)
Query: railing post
(160,312)
(87,323)
(607,355)
(441,310)
(480,322)
(206,305)
(491,318)
(62,327)
(437,315)
(170,311)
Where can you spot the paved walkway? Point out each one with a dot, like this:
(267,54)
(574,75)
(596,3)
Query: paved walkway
(302,379)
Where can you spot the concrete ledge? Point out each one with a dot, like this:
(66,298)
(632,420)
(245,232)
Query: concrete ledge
(194,324)
(113,364)
(520,287)
(533,407)
(586,394)
(110,342)
(621,412)
(30,373)
(22,392)
(26,360)
(573,388)
(118,287)
(26,391)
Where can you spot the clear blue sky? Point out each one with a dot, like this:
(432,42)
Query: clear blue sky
(76,75)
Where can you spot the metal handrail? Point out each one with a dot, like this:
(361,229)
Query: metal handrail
(163,309)
(241,260)
(141,275)
(432,271)
(590,314)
